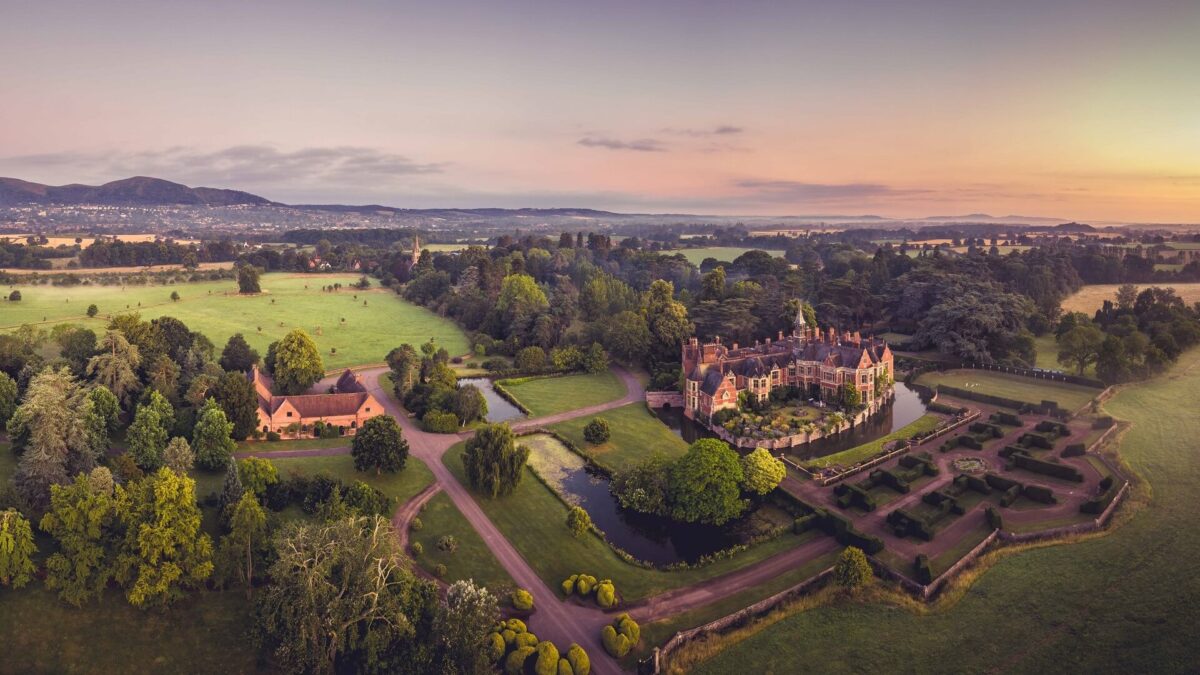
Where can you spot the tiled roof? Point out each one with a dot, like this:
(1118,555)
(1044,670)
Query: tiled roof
(712,382)
(349,382)
(322,405)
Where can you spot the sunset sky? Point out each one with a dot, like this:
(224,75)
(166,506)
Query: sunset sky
(1083,109)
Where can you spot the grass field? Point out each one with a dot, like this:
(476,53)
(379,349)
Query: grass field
(722,253)
(472,559)
(858,453)
(549,395)
(1124,602)
(215,309)
(635,435)
(402,485)
(1090,298)
(1027,389)
(533,519)
(301,444)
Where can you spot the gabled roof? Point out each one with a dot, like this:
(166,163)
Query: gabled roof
(322,405)
(349,382)
(712,382)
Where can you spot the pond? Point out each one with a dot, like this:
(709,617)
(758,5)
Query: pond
(905,408)
(654,539)
(499,409)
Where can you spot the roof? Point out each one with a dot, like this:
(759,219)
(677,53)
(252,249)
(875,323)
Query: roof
(349,382)
(712,382)
(322,405)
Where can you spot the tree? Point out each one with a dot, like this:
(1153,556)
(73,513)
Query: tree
(257,475)
(405,364)
(106,408)
(15,296)
(597,431)
(1126,296)
(147,438)
(115,366)
(578,521)
(705,482)
(77,346)
(762,472)
(1080,346)
(235,393)
(237,354)
(645,486)
(82,520)
(163,551)
(337,589)
(178,456)
(530,359)
(469,404)
(166,411)
(92,311)
(51,430)
(174,296)
(851,397)
(520,295)
(627,337)
(210,437)
(247,278)
(247,528)
(297,363)
(595,360)
(494,463)
(231,489)
(16,549)
(379,446)
(852,569)
(8,398)
(462,627)
(667,320)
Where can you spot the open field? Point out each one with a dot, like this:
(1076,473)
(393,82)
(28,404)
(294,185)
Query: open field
(1016,387)
(402,485)
(1117,603)
(69,240)
(636,434)
(549,395)
(1090,298)
(533,518)
(445,248)
(472,559)
(288,301)
(722,253)
(926,422)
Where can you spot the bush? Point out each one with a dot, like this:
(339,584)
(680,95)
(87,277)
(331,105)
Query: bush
(597,431)
(1005,418)
(522,600)
(1036,440)
(515,663)
(852,569)
(568,584)
(1103,422)
(1100,502)
(1063,471)
(922,569)
(620,636)
(578,521)
(804,523)
(525,639)
(438,422)
(1040,494)
(1073,450)
(995,521)
(606,594)
(272,436)
(440,571)
(585,584)
(547,659)
(416,524)
(496,646)
(447,543)
(417,549)
(578,658)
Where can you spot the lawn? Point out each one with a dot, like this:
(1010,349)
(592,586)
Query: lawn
(402,485)
(1090,298)
(926,422)
(549,395)
(301,444)
(288,301)
(533,519)
(472,559)
(723,253)
(636,434)
(1124,602)
(1016,387)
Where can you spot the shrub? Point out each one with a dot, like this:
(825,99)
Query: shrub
(1063,471)
(416,524)
(620,636)
(447,543)
(516,625)
(578,658)
(804,523)
(606,594)
(272,436)
(438,422)
(1103,422)
(440,571)
(578,521)
(496,646)
(1005,418)
(1106,482)
(585,584)
(995,521)
(922,569)
(515,663)
(852,569)
(1040,494)
(1100,502)
(417,549)
(597,431)
(547,659)
(522,600)
(525,639)
(1073,450)
(568,584)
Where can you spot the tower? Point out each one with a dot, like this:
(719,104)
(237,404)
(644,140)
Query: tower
(416,252)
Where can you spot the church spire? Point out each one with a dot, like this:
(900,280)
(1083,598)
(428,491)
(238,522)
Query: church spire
(416,252)
(799,324)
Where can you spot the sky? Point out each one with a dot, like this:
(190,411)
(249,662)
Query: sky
(1086,110)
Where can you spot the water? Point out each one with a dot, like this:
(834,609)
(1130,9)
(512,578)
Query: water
(499,409)
(654,539)
(906,408)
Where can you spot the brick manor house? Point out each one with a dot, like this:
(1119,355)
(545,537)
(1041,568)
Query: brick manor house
(347,408)
(817,362)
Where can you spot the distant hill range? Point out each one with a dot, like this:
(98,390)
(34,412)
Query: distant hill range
(136,191)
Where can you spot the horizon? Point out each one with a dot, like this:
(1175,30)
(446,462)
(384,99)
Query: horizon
(1078,111)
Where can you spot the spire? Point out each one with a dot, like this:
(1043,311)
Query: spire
(416,252)
(799,324)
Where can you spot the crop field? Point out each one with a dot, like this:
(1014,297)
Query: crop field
(1016,387)
(721,253)
(1122,602)
(1091,298)
(351,327)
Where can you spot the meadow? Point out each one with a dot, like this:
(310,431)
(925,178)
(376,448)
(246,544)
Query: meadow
(636,434)
(549,395)
(471,560)
(1091,298)
(1121,602)
(1016,387)
(375,320)
(721,253)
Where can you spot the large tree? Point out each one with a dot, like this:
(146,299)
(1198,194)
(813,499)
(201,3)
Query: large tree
(54,434)
(211,439)
(82,519)
(667,320)
(469,404)
(762,472)
(462,627)
(1080,346)
(238,355)
(297,363)
(493,461)
(164,551)
(115,366)
(405,364)
(705,484)
(247,278)
(627,337)
(16,549)
(147,438)
(379,446)
(235,394)
(8,398)
(247,534)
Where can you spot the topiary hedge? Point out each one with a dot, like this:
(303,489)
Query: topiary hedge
(522,599)
(922,569)
(1040,494)
(620,636)
(1074,450)
(1101,501)
(438,422)
(1063,471)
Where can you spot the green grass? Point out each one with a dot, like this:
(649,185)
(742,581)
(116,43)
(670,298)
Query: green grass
(723,253)
(549,395)
(636,434)
(926,422)
(1016,387)
(472,559)
(533,519)
(403,485)
(301,444)
(1124,602)
(215,309)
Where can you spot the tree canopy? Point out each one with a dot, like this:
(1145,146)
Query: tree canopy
(297,364)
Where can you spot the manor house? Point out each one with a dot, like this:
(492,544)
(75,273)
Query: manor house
(818,363)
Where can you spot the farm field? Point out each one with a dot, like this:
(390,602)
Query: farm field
(549,395)
(1122,602)
(636,434)
(471,560)
(1016,387)
(722,253)
(288,301)
(1090,298)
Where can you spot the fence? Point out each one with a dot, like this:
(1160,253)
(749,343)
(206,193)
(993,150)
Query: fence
(927,591)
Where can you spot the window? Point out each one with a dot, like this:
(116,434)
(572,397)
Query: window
(368,408)
(289,413)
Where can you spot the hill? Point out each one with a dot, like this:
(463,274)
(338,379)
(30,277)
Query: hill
(136,191)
